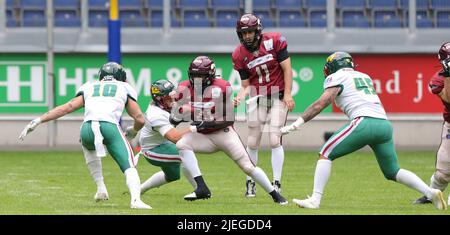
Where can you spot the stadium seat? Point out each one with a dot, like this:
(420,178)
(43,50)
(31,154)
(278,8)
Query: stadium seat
(130,5)
(383,4)
(226,18)
(422,19)
(226,4)
(67,18)
(156,4)
(288,4)
(291,19)
(440,4)
(98,18)
(156,19)
(317,18)
(132,18)
(66,4)
(98,4)
(266,20)
(351,4)
(386,19)
(262,5)
(315,4)
(420,4)
(354,19)
(195,18)
(33,4)
(33,18)
(10,19)
(443,19)
(193,4)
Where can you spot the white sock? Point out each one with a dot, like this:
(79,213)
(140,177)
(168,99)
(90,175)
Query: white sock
(277,162)
(321,176)
(156,180)
(95,168)
(253,153)
(190,162)
(437,185)
(133,183)
(189,177)
(413,181)
(261,178)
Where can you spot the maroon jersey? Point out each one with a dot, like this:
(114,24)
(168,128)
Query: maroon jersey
(436,85)
(262,66)
(211,104)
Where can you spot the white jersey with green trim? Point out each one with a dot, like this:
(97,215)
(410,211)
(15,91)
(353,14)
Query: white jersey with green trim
(157,124)
(105,100)
(357,96)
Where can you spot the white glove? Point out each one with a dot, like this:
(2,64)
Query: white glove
(293,127)
(130,133)
(29,128)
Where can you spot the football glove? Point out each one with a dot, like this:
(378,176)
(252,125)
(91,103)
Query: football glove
(293,127)
(130,133)
(175,120)
(445,68)
(29,128)
(199,125)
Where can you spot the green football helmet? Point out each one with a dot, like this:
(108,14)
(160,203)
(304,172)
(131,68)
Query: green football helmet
(112,70)
(336,61)
(160,91)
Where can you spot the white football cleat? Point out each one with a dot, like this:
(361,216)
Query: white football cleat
(101,196)
(138,204)
(309,203)
(438,199)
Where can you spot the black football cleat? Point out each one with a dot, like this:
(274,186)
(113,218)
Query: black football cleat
(198,194)
(422,200)
(278,198)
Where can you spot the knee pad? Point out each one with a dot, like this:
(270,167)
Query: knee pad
(245,164)
(254,137)
(442,176)
(275,139)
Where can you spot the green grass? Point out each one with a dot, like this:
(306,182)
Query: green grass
(59,183)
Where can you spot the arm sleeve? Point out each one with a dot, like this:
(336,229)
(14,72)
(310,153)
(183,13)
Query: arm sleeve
(243,74)
(282,55)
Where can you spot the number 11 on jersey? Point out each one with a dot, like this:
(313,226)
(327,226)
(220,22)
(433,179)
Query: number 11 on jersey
(266,72)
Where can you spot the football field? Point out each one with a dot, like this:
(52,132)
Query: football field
(55,183)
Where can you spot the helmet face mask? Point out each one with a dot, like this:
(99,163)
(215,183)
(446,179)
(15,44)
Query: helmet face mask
(249,22)
(112,70)
(202,68)
(161,93)
(444,51)
(336,61)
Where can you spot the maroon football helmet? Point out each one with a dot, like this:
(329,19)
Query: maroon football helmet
(204,67)
(444,51)
(249,22)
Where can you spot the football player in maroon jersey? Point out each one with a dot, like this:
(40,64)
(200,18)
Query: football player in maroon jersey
(440,86)
(212,128)
(264,66)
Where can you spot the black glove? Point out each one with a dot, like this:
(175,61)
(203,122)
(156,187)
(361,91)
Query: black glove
(200,125)
(445,68)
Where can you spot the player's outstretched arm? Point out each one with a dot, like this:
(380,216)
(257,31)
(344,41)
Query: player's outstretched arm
(314,109)
(135,112)
(69,107)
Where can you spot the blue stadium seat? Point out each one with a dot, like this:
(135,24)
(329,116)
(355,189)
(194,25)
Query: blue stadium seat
(443,19)
(10,19)
(98,18)
(315,4)
(317,18)
(226,18)
(386,19)
(155,4)
(265,17)
(262,5)
(132,18)
(195,18)
(33,4)
(130,4)
(226,4)
(420,4)
(422,19)
(291,19)
(66,4)
(288,4)
(440,4)
(67,18)
(193,4)
(383,4)
(98,4)
(354,19)
(10,4)
(33,18)
(156,19)
(351,4)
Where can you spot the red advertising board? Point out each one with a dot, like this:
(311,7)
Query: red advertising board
(401,81)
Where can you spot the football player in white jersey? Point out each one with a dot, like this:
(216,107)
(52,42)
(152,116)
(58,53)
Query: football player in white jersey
(354,93)
(104,101)
(158,137)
